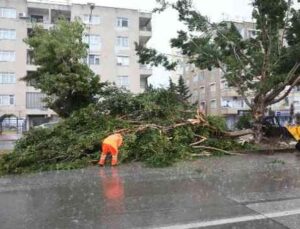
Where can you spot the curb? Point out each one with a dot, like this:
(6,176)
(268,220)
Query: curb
(267,151)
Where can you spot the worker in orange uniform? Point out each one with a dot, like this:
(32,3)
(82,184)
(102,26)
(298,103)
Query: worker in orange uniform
(111,145)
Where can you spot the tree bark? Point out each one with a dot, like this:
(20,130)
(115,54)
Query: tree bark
(258,115)
(238,133)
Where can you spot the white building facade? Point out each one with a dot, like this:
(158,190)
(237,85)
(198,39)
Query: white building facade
(110,32)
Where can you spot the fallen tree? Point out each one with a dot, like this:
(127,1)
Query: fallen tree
(156,127)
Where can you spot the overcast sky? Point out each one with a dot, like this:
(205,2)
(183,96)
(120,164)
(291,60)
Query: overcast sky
(165,25)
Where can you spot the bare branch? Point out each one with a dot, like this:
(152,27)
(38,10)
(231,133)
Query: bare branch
(203,139)
(216,149)
(287,92)
(291,79)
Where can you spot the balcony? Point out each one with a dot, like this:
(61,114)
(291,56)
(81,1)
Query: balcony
(143,84)
(38,16)
(232,110)
(29,59)
(145,71)
(229,92)
(60,14)
(145,27)
(46,17)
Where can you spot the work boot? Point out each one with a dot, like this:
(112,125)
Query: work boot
(102,159)
(114,160)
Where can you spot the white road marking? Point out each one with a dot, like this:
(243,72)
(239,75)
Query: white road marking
(233,220)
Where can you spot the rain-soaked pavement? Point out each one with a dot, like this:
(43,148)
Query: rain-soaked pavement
(250,191)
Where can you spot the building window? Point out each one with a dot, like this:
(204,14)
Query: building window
(195,96)
(93,41)
(202,90)
(29,32)
(123,60)
(94,60)
(123,81)
(143,83)
(29,59)
(7,78)
(7,56)
(203,106)
(122,22)
(224,84)
(34,100)
(8,12)
(7,34)
(6,100)
(213,87)
(37,18)
(242,104)
(195,78)
(122,42)
(201,76)
(93,20)
(213,104)
(31,82)
(225,102)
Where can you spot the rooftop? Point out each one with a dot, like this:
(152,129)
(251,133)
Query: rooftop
(70,2)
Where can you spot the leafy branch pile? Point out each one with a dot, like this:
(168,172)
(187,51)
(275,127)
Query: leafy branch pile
(159,129)
(159,126)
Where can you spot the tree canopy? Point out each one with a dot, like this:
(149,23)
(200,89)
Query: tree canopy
(62,73)
(263,68)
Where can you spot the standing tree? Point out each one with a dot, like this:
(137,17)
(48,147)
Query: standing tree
(263,68)
(62,75)
(172,86)
(183,90)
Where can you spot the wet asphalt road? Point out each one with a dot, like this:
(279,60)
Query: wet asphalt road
(244,192)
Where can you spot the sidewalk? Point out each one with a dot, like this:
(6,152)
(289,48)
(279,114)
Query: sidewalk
(10,137)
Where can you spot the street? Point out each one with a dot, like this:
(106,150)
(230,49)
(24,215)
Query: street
(249,191)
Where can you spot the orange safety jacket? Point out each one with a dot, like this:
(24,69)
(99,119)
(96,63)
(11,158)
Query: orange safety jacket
(114,140)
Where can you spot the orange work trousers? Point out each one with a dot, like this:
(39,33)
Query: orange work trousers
(106,149)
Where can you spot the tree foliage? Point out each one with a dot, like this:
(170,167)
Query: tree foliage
(183,89)
(263,68)
(75,141)
(172,86)
(62,74)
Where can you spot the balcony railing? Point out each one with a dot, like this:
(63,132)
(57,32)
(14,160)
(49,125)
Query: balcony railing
(146,28)
(145,67)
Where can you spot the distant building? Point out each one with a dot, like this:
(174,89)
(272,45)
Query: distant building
(110,32)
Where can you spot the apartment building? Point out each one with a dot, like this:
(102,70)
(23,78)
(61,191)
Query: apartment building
(182,68)
(210,89)
(110,33)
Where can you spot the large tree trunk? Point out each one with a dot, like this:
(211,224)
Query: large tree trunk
(258,116)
